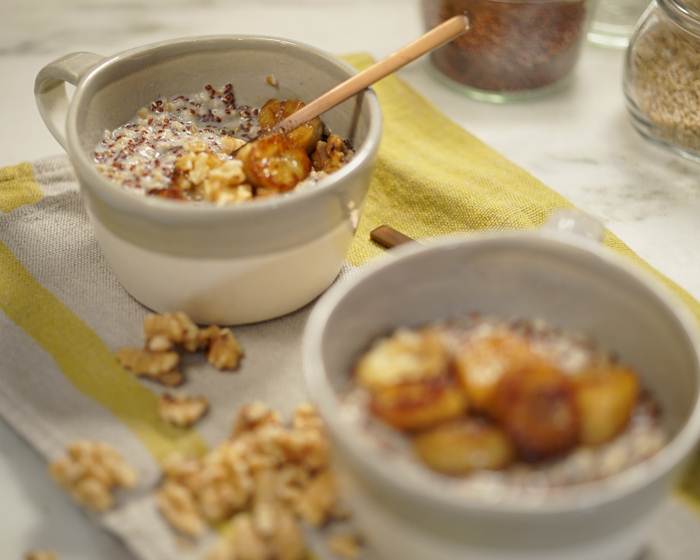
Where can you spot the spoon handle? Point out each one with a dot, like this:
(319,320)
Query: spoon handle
(436,37)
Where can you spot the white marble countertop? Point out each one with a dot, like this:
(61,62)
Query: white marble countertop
(578,142)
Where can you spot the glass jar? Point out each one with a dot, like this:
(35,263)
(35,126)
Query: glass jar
(662,76)
(514,49)
(614,21)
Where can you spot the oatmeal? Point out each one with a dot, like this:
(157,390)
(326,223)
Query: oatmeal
(502,407)
(191,147)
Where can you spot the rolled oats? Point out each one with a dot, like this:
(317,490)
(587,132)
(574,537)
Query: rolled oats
(182,410)
(91,472)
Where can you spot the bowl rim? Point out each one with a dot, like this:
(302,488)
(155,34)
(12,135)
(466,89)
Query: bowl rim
(629,481)
(130,201)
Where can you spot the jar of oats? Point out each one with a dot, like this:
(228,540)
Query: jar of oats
(662,76)
(514,49)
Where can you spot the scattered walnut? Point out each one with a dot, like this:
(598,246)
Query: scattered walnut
(177,504)
(181,410)
(158,366)
(306,417)
(249,544)
(40,555)
(252,416)
(317,504)
(91,472)
(345,545)
(265,478)
(162,332)
(224,351)
(272,80)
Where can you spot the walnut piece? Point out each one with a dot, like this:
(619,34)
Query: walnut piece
(254,415)
(330,155)
(182,410)
(266,478)
(157,366)
(176,503)
(91,472)
(224,350)
(210,177)
(229,144)
(345,545)
(162,332)
(40,555)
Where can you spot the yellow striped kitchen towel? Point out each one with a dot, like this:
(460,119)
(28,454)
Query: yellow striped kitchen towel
(62,312)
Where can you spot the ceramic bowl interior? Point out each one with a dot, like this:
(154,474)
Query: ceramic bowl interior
(112,96)
(569,284)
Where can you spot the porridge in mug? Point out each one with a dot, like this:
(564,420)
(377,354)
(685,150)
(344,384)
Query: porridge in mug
(191,148)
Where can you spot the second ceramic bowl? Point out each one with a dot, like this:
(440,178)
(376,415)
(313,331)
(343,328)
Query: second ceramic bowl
(571,283)
(223,265)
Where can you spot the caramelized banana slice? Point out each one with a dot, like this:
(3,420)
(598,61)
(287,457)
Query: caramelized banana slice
(459,447)
(537,409)
(409,377)
(275,163)
(420,404)
(275,111)
(482,362)
(605,398)
(406,356)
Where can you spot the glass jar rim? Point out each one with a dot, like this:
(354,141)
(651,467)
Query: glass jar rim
(538,1)
(686,17)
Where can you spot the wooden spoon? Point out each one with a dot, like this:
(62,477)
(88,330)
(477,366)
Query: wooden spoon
(436,37)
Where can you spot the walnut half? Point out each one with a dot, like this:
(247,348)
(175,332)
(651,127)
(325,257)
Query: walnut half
(91,472)
(182,410)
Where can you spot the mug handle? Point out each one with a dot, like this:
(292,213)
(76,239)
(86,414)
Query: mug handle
(50,90)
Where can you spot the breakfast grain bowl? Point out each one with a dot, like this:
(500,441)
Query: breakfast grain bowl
(551,497)
(205,147)
(218,259)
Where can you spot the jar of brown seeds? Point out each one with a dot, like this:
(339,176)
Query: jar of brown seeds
(662,76)
(514,49)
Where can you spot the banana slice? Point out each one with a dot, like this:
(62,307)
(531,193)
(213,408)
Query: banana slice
(419,405)
(457,448)
(605,398)
(482,362)
(410,379)
(275,111)
(537,408)
(275,163)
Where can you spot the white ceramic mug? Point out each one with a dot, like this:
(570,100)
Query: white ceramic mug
(224,265)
